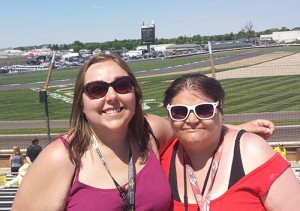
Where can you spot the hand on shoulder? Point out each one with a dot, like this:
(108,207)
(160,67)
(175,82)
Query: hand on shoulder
(262,127)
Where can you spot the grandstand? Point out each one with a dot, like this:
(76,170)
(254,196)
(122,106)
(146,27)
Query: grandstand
(228,46)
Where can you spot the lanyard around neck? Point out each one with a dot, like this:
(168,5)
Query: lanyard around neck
(203,203)
(129,204)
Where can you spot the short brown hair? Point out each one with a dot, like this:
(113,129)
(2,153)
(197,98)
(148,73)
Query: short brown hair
(35,140)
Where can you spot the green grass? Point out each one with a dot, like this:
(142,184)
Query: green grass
(250,95)
(264,94)
(32,131)
(23,104)
(24,78)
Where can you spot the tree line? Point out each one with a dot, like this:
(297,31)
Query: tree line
(246,33)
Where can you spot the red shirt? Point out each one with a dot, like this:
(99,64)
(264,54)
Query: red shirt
(243,195)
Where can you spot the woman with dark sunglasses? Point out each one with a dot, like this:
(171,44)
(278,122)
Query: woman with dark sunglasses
(213,167)
(108,160)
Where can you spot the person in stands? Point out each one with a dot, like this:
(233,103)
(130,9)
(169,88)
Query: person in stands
(281,150)
(16,160)
(18,179)
(33,150)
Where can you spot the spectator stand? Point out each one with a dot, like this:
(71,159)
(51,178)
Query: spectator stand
(7,195)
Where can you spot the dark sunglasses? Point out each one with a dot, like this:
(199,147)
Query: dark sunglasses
(202,111)
(98,89)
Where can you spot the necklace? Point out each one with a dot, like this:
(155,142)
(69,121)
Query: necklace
(203,203)
(129,203)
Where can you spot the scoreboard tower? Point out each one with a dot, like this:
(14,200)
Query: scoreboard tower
(148,35)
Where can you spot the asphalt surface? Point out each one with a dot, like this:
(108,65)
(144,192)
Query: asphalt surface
(204,63)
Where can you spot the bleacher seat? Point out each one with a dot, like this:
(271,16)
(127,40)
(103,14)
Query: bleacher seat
(7,195)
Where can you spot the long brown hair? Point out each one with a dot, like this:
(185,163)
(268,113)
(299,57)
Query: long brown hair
(80,132)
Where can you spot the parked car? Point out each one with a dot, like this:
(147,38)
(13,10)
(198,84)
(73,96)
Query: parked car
(4,71)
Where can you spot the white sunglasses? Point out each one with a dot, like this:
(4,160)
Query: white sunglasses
(202,111)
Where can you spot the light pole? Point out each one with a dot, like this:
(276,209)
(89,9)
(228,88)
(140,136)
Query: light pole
(43,96)
(211,60)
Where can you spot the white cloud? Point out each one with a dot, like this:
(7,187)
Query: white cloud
(97,7)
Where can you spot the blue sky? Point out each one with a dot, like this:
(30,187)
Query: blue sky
(36,22)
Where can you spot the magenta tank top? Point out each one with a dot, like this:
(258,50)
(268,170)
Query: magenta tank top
(152,191)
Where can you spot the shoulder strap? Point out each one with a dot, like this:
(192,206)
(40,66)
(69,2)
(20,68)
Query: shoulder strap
(66,143)
(172,174)
(237,169)
(156,141)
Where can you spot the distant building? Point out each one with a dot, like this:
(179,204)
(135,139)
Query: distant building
(162,47)
(266,37)
(183,47)
(133,53)
(11,52)
(284,36)
(69,55)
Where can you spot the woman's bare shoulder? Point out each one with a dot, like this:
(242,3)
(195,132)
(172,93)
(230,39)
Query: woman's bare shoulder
(255,151)
(55,151)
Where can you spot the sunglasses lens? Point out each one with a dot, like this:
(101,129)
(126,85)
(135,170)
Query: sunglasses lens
(123,85)
(205,110)
(179,112)
(97,89)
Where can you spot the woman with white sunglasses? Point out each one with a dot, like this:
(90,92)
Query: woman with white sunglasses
(213,167)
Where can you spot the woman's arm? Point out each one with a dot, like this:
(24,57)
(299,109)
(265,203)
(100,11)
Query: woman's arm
(284,193)
(262,127)
(22,159)
(28,160)
(10,158)
(46,184)
(162,130)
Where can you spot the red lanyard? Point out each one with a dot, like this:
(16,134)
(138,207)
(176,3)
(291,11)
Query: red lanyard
(203,203)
